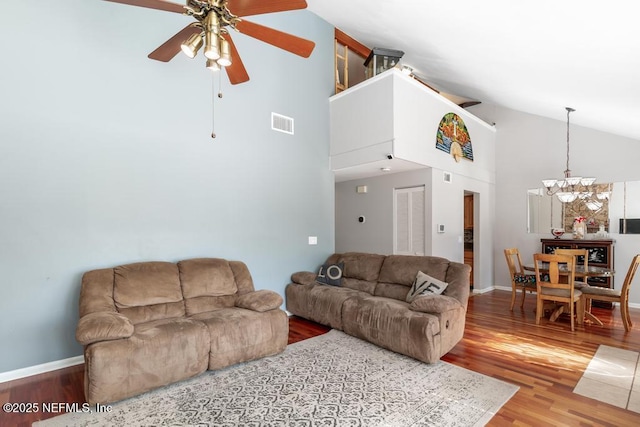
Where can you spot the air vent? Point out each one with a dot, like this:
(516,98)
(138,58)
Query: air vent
(282,123)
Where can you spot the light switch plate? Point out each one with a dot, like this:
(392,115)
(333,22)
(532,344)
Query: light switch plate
(313,240)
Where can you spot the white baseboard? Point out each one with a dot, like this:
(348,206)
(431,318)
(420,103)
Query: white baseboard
(40,369)
(485,290)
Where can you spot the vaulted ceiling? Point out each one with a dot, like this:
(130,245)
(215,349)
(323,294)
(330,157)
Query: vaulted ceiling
(532,56)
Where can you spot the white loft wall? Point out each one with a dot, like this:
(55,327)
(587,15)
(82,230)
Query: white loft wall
(364,128)
(368,106)
(417,111)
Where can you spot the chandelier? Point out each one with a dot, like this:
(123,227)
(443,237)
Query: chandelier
(571,188)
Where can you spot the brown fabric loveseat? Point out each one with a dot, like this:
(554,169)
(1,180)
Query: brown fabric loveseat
(370,303)
(149,324)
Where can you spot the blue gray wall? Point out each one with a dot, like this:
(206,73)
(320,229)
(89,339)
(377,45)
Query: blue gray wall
(106,159)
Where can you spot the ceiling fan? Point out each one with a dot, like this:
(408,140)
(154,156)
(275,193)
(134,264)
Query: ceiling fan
(213,21)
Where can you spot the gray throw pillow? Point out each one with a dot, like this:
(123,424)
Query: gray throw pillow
(331,274)
(425,285)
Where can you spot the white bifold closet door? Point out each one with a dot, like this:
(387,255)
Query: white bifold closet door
(408,221)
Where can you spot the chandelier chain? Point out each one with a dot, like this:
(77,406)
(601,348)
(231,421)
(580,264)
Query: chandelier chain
(567,172)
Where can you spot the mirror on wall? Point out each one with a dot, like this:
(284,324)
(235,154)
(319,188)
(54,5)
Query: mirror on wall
(618,214)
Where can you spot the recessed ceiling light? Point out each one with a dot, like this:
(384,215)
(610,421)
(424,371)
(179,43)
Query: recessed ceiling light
(385,169)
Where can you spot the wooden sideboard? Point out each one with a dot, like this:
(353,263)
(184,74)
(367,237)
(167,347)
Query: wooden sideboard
(600,255)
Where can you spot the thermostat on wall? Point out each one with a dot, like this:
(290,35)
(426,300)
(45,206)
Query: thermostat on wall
(440,228)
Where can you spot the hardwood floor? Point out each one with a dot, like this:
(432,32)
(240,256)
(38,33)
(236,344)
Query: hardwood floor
(545,361)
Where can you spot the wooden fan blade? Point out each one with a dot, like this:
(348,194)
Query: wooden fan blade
(236,71)
(167,50)
(257,7)
(153,4)
(286,41)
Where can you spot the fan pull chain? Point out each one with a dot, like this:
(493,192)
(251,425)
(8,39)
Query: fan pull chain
(213,100)
(213,109)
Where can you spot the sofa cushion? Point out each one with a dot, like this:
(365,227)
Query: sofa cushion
(205,303)
(434,304)
(238,335)
(359,285)
(146,283)
(362,266)
(391,324)
(392,290)
(261,301)
(425,285)
(322,304)
(158,353)
(206,277)
(148,291)
(208,284)
(402,269)
(330,274)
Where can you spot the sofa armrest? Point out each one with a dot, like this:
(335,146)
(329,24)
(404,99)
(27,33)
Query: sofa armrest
(263,300)
(434,304)
(304,278)
(103,326)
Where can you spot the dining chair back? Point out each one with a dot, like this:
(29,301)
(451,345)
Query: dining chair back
(519,280)
(556,290)
(612,295)
(582,258)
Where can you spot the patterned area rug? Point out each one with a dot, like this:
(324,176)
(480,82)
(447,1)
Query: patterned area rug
(330,380)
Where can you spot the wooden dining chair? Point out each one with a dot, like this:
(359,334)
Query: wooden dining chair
(519,280)
(577,253)
(553,289)
(612,295)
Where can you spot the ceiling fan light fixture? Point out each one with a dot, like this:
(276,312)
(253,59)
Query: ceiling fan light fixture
(212,64)
(225,53)
(212,46)
(191,46)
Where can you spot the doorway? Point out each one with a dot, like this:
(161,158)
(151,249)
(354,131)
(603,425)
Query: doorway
(469,231)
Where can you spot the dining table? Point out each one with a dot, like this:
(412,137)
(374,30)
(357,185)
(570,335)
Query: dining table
(580,271)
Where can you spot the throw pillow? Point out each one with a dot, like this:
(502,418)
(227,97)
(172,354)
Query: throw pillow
(331,274)
(425,285)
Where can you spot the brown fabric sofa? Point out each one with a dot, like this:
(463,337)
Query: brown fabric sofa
(149,324)
(371,302)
